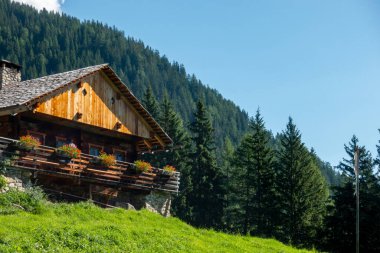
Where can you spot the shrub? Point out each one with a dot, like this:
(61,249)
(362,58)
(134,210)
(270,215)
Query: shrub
(5,162)
(31,200)
(107,160)
(142,166)
(169,169)
(69,151)
(3,182)
(28,142)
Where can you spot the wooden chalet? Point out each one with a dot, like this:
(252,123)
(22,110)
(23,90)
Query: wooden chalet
(94,109)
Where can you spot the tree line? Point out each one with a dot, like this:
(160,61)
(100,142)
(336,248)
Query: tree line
(268,188)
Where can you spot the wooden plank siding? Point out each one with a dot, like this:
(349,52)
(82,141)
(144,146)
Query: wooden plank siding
(96,101)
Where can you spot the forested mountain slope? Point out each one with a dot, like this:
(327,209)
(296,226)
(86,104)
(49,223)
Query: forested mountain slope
(46,43)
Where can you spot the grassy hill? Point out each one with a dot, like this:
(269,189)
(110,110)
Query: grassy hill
(84,227)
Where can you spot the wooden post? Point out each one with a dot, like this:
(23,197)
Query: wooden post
(356,160)
(90,191)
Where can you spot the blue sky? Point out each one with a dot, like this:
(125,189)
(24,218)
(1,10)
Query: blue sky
(317,61)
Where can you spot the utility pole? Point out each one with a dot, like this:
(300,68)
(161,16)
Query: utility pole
(356,161)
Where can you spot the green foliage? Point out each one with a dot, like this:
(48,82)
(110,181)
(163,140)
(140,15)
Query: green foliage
(69,151)
(3,182)
(47,43)
(142,166)
(176,154)
(31,200)
(342,215)
(84,227)
(107,160)
(28,142)
(228,172)
(150,103)
(302,192)
(207,193)
(252,183)
(172,123)
(365,161)
(331,176)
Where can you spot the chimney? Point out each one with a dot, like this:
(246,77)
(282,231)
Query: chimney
(9,72)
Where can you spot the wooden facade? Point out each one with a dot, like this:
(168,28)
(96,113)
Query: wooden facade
(97,102)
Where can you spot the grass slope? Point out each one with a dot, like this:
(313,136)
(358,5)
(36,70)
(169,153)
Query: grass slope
(84,227)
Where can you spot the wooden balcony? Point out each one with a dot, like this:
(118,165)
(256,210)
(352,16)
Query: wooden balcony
(43,160)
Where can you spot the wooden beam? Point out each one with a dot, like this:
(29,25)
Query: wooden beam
(160,141)
(13,110)
(147,144)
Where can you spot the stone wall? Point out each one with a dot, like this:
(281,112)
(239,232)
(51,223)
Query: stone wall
(157,202)
(130,199)
(9,74)
(16,179)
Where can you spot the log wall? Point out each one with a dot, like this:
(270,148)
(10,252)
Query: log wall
(80,137)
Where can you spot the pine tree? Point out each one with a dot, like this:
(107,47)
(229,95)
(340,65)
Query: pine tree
(150,103)
(206,197)
(332,177)
(263,157)
(177,155)
(302,191)
(172,123)
(254,181)
(226,167)
(242,186)
(340,224)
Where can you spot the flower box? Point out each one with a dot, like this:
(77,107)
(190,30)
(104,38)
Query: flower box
(67,152)
(28,143)
(168,170)
(106,160)
(142,166)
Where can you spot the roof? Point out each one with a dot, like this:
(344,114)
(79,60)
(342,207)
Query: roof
(19,93)
(10,64)
(26,93)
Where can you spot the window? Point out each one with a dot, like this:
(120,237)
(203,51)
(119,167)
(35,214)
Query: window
(39,136)
(120,155)
(60,141)
(95,149)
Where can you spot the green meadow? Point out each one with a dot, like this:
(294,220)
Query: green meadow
(36,225)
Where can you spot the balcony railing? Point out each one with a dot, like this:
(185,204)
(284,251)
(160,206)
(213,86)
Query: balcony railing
(43,160)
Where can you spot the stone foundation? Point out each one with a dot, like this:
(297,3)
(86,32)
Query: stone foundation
(156,202)
(16,179)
